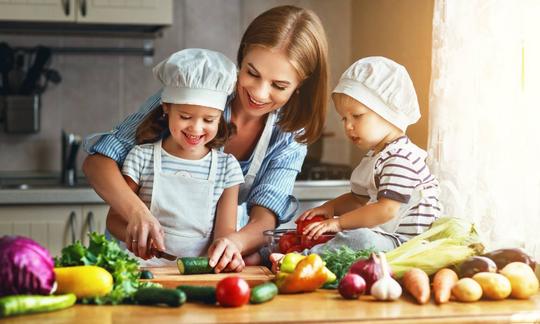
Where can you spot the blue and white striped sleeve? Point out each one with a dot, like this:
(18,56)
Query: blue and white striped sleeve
(117,143)
(233,173)
(274,189)
(134,163)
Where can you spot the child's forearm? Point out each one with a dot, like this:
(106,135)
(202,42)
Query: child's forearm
(345,203)
(226,214)
(368,216)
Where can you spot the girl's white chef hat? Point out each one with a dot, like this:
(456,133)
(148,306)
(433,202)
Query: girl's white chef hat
(383,86)
(197,77)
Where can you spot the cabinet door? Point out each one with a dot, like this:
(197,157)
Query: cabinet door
(51,226)
(94,219)
(139,12)
(38,10)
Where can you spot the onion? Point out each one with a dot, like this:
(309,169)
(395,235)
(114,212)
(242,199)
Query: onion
(352,286)
(369,269)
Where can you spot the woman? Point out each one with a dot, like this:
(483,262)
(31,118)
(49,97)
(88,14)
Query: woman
(279,106)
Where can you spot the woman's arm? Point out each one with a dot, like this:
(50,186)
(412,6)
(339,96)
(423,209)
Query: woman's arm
(105,177)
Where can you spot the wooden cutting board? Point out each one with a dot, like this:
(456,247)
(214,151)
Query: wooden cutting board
(170,277)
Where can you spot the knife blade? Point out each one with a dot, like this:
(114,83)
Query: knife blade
(164,255)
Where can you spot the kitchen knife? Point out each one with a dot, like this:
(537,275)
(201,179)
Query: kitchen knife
(164,255)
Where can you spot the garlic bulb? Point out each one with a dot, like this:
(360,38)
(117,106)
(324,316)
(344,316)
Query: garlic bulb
(386,288)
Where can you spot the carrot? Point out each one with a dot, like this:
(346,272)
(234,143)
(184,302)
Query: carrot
(443,282)
(416,282)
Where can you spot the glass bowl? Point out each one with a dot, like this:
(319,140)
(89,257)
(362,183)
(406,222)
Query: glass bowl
(292,242)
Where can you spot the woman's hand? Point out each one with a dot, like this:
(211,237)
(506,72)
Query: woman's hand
(314,230)
(142,233)
(225,256)
(324,210)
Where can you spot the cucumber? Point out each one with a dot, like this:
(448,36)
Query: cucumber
(263,293)
(28,304)
(205,294)
(194,265)
(146,274)
(157,296)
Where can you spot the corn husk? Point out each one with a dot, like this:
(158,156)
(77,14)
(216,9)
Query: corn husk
(449,241)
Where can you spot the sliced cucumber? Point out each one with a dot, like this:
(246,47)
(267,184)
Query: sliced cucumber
(146,274)
(194,265)
(157,296)
(205,294)
(263,293)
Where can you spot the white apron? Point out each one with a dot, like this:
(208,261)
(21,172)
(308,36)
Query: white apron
(362,178)
(254,167)
(183,207)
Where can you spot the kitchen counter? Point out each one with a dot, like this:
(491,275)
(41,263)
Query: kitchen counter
(320,306)
(56,194)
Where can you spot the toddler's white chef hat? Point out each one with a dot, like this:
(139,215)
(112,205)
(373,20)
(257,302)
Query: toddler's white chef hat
(197,77)
(383,86)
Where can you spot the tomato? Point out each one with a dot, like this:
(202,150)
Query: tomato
(295,248)
(232,292)
(307,243)
(300,225)
(286,241)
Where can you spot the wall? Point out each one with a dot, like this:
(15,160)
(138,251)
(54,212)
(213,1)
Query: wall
(400,30)
(98,91)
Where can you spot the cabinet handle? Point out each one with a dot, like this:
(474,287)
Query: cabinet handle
(72,218)
(90,221)
(82,7)
(65,5)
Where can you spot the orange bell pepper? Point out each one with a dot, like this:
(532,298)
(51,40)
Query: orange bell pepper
(309,274)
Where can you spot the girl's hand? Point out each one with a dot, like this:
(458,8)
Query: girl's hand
(314,230)
(142,232)
(225,256)
(323,210)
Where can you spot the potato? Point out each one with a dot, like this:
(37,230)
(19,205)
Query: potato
(494,285)
(522,279)
(467,290)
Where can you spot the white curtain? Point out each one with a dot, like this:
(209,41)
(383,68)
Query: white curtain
(484,141)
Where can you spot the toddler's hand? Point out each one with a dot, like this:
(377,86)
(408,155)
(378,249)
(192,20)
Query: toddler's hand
(322,210)
(314,230)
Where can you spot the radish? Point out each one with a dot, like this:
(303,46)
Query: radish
(352,286)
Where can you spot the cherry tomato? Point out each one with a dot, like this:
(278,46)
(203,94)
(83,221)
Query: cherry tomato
(300,225)
(287,240)
(232,292)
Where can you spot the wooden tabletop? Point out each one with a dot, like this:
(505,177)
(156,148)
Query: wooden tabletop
(318,307)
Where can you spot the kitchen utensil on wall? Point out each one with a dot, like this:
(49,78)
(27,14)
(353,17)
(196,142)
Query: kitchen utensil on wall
(42,57)
(6,64)
(17,74)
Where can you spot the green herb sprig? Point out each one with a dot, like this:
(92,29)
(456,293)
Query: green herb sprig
(340,260)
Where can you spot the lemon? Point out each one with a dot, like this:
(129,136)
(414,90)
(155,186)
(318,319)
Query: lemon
(83,281)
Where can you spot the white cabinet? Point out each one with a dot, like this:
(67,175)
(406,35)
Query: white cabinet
(137,12)
(52,226)
(37,10)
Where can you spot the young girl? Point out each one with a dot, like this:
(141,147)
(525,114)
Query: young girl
(189,186)
(393,194)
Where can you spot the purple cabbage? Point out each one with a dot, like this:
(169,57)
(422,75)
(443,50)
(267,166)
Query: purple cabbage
(25,267)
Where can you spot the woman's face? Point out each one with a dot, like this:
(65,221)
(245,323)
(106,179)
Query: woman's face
(266,80)
(191,126)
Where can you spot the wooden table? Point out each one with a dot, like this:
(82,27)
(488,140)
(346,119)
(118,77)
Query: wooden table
(320,307)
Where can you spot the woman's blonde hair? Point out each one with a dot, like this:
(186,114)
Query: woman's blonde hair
(300,33)
(156,123)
